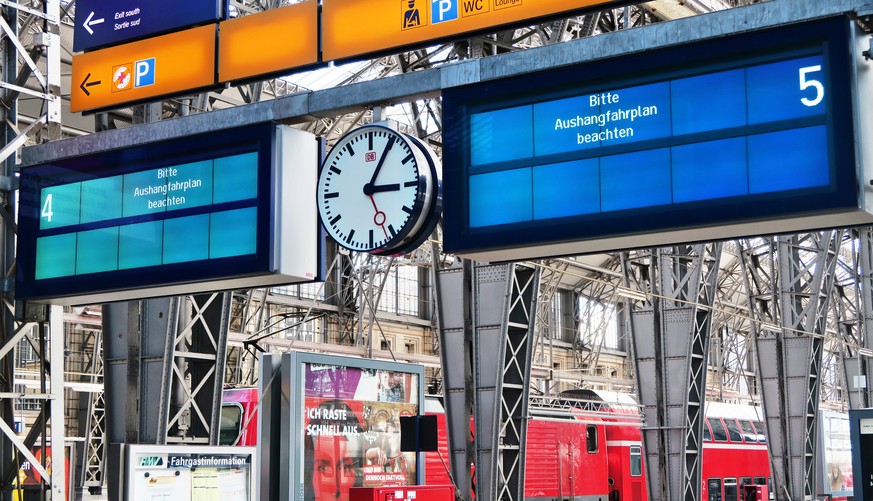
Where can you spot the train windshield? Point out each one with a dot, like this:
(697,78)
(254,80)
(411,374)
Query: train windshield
(230,426)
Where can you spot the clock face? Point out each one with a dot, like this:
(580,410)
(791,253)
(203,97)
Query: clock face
(372,189)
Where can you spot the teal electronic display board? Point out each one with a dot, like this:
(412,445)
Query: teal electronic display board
(656,148)
(105,227)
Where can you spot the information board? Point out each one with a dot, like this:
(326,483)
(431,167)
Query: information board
(189,473)
(353,28)
(100,23)
(199,213)
(726,134)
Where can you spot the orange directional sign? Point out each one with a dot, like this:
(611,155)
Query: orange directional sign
(138,71)
(292,30)
(357,27)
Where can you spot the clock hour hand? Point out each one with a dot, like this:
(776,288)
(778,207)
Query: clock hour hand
(369,189)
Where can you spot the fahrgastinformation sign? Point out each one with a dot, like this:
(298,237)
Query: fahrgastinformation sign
(749,134)
(189,473)
(188,215)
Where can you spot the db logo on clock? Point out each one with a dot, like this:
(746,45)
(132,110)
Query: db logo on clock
(370,156)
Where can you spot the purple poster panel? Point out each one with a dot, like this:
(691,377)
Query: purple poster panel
(352,429)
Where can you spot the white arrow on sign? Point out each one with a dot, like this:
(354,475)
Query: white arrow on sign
(91,22)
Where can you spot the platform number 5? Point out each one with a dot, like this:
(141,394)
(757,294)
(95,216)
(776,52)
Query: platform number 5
(806,83)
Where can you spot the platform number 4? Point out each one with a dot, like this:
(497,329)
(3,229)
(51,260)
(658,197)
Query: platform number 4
(807,83)
(47,208)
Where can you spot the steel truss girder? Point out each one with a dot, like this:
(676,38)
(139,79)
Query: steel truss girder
(93,459)
(487,310)
(790,282)
(856,332)
(670,333)
(193,374)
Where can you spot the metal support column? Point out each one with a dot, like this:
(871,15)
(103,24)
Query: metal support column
(487,310)
(670,332)
(857,330)
(93,454)
(790,282)
(193,368)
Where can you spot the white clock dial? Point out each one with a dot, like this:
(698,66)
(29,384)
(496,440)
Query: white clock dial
(372,189)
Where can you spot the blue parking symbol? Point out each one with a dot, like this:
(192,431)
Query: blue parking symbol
(144,72)
(443,10)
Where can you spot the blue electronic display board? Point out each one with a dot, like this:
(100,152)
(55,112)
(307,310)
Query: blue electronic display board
(193,210)
(737,130)
(101,23)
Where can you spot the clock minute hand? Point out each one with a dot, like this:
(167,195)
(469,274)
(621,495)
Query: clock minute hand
(381,162)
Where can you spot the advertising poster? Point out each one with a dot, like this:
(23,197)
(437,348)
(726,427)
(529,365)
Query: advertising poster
(352,429)
(837,449)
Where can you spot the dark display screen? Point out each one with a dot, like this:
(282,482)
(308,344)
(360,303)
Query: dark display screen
(169,212)
(741,129)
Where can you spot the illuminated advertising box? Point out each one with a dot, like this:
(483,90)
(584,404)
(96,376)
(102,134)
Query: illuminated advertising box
(743,135)
(189,215)
(344,424)
(835,465)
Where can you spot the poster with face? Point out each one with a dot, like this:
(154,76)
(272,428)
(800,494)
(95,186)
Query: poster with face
(352,429)
(837,450)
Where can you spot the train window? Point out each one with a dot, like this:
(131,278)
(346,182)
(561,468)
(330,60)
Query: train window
(733,430)
(719,434)
(760,480)
(713,489)
(591,438)
(636,461)
(230,425)
(730,490)
(707,435)
(762,432)
(748,431)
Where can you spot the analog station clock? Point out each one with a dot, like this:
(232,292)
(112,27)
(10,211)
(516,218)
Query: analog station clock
(378,191)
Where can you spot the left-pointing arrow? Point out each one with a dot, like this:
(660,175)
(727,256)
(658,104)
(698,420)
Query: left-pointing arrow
(91,22)
(85,84)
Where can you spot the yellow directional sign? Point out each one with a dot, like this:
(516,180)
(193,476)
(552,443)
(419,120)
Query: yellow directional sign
(151,68)
(357,27)
(293,31)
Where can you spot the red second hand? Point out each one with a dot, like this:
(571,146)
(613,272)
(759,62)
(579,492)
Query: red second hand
(379,216)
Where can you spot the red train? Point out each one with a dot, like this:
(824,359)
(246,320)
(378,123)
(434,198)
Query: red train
(588,448)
